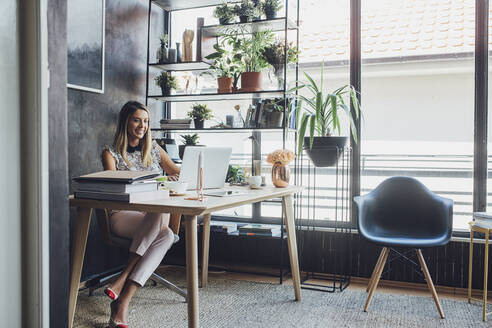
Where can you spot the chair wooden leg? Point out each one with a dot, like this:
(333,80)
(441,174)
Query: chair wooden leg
(376,267)
(376,278)
(430,284)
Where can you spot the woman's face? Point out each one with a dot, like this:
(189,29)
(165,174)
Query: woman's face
(138,124)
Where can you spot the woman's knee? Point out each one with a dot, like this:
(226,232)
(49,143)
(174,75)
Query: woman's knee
(159,220)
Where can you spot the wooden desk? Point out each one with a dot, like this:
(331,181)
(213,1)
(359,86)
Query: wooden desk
(190,210)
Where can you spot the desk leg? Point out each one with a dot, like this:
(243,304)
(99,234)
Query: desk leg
(82,225)
(292,243)
(192,270)
(470,267)
(485,274)
(205,248)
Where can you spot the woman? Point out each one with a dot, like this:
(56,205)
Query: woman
(133,149)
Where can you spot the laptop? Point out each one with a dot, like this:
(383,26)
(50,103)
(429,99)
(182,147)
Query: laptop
(215,165)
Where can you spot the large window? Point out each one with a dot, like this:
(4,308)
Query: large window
(418,96)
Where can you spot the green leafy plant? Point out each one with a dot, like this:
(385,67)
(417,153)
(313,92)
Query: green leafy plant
(246,9)
(274,105)
(274,53)
(248,47)
(164,39)
(235,174)
(271,6)
(226,63)
(322,110)
(224,13)
(200,112)
(166,81)
(190,139)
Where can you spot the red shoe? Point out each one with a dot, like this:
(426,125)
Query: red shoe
(116,324)
(110,293)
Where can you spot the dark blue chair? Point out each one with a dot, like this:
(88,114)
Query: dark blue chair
(402,212)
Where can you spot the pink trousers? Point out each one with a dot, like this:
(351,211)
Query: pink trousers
(151,239)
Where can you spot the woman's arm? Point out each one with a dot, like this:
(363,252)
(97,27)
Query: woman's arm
(167,164)
(108,161)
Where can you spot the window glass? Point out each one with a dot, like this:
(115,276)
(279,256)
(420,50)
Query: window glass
(418,96)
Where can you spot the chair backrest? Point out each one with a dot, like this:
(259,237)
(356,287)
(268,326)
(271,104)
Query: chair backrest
(109,238)
(404,206)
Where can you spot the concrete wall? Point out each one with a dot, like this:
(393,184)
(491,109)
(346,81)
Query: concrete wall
(10,237)
(92,117)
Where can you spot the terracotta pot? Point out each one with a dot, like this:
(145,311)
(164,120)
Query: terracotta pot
(225,84)
(251,81)
(280,175)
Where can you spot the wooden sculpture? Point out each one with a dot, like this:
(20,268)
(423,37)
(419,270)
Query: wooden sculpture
(188,36)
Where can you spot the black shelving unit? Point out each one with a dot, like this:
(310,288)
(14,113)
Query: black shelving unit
(210,34)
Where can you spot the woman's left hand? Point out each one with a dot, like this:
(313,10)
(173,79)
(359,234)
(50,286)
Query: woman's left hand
(174,177)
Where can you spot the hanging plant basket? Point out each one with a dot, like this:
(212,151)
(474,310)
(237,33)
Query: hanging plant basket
(326,151)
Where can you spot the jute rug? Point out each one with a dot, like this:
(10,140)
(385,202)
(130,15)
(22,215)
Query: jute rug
(237,303)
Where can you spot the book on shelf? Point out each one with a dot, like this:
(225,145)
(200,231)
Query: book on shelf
(221,226)
(115,176)
(259,229)
(131,197)
(176,121)
(483,219)
(175,126)
(102,186)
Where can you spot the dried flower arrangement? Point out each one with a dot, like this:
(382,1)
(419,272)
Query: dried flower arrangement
(281,156)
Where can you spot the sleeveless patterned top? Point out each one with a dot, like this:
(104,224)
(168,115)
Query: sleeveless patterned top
(135,159)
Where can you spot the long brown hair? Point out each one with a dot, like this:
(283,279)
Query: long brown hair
(121,136)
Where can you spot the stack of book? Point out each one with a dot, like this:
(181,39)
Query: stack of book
(124,186)
(175,123)
(483,219)
(255,229)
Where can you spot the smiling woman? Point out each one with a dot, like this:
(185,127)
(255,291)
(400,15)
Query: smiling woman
(133,149)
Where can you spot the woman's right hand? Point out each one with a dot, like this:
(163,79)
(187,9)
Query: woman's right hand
(173,177)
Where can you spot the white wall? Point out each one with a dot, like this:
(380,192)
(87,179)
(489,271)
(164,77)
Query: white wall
(10,245)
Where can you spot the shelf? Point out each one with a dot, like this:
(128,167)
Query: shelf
(275,25)
(238,130)
(171,5)
(186,66)
(220,96)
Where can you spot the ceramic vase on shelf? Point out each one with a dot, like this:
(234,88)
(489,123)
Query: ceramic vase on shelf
(179,55)
(280,175)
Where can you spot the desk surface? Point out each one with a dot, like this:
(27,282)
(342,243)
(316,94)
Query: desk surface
(176,204)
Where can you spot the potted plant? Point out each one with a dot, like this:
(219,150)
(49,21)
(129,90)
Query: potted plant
(253,60)
(322,115)
(188,140)
(163,51)
(200,113)
(248,48)
(226,66)
(235,175)
(224,13)
(270,8)
(272,113)
(274,55)
(246,11)
(166,82)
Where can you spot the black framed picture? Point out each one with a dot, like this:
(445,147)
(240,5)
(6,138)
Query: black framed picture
(85,44)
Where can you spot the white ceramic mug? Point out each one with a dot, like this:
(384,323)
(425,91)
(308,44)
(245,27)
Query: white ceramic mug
(176,186)
(254,181)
